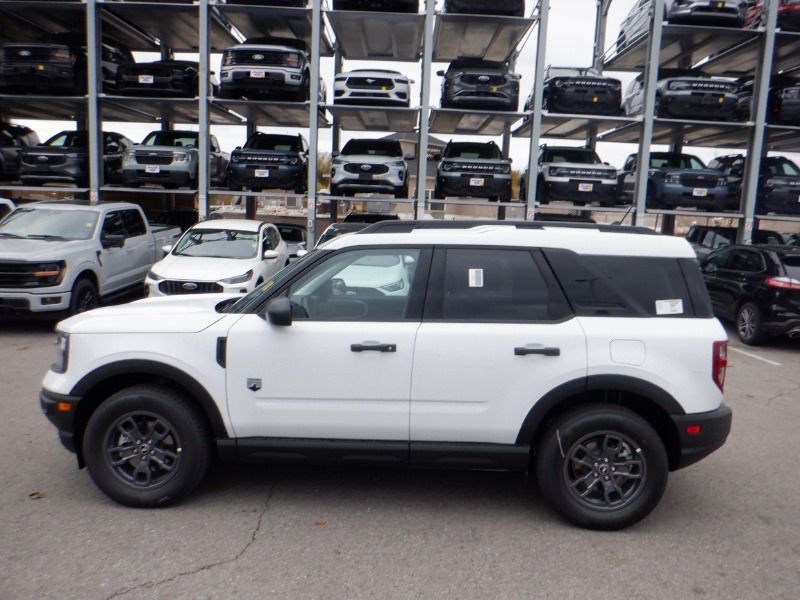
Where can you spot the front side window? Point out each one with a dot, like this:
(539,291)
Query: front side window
(357,285)
(113,224)
(134,223)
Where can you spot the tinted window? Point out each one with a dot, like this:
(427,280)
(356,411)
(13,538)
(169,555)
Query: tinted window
(185,139)
(113,224)
(69,139)
(577,155)
(746,261)
(792,265)
(291,234)
(782,166)
(133,223)
(277,143)
(373,148)
(718,259)
(490,285)
(472,151)
(675,161)
(624,286)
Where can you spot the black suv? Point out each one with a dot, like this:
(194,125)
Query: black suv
(705,239)
(159,78)
(64,158)
(686,94)
(270,161)
(473,169)
(778,182)
(756,287)
(13,140)
(56,64)
(677,180)
(481,84)
(400,6)
(783,100)
(508,8)
(579,90)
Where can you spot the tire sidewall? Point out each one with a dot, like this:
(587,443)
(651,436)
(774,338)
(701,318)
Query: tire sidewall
(758,335)
(81,287)
(574,426)
(187,425)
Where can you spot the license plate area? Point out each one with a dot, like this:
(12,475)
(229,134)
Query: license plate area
(146,79)
(258,74)
(153,169)
(262,173)
(476,181)
(699,192)
(585,187)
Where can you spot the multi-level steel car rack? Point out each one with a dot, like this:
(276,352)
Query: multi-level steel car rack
(206,26)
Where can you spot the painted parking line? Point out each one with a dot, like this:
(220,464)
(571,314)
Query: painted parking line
(756,356)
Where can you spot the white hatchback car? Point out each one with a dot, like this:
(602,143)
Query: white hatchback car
(218,256)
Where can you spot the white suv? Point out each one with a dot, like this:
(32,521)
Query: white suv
(585,354)
(368,165)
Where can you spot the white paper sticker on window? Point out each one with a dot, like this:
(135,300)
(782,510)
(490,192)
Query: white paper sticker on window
(476,278)
(669,307)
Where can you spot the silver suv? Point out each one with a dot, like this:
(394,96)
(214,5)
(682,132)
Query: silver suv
(370,166)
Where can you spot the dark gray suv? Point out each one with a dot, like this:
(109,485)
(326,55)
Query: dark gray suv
(473,169)
(482,84)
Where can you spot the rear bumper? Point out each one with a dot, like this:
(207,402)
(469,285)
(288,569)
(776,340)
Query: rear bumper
(714,428)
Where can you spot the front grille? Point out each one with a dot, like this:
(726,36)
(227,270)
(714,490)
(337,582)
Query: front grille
(592,83)
(476,168)
(154,158)
(172,288)
(11,55)
(475,79)
(710,86)
(705,181)
(246,57)
(369,82)
(20,275)
(373,169)
(155,70)
(53,160)
(576,172)
(265,159)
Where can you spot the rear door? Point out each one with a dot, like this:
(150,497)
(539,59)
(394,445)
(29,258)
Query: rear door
(496,336)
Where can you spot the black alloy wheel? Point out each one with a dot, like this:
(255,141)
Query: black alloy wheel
(84,297)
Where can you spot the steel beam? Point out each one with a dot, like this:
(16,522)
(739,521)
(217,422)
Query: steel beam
(424,111)
(202,112)
(93,81)
(536,117)
(313,125)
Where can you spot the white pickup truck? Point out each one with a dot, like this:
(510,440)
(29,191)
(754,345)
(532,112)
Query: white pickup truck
(57,256)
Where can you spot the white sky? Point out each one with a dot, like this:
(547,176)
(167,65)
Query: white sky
(570,43)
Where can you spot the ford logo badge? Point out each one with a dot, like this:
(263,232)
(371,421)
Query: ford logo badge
(24,52)
(366,167)
(42,158)
(189,286)
(370,81)
(483,78)
(258,57)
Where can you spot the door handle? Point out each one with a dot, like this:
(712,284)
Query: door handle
(523,350)
(373,347)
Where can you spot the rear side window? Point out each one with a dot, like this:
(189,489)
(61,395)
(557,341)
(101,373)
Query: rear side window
(628,286)
(492,285)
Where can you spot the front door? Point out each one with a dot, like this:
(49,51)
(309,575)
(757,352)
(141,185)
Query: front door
(342,369)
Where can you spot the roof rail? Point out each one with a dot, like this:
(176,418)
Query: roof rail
(409,226)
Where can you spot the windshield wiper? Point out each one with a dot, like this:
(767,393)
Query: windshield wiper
(11,235)
(44,236)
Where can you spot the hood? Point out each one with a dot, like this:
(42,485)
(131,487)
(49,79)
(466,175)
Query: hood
(369,158)
(37,250)
(194,268)
(169,314)
(142,148)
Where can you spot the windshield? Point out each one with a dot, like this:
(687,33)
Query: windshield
(218,243)
(573,72)
(782,166)
(373,148)
(248,303)
(69,139)
(277,143)
(49,224)
(186,139)
(473,151)
(675,161)
(578,155)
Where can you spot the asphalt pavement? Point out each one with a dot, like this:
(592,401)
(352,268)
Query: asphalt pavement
(727,527)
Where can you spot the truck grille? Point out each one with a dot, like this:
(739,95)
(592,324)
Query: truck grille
(154,158)
(173,288)
(246,57)
(12,55)
(705,181)
(474,79)
(21,274)
(476,168)
(373,169)
(263,159)
(38,160)
(369,83)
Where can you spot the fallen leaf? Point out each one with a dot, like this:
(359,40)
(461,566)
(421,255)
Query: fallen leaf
(320,523)
(22,348)
(36,495)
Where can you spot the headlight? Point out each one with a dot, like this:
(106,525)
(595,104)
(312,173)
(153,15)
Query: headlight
(679,85)
(770,183)
(62,352)
(50,273)
(227,58)
(239,279)
(180,157)
(504,169)
(336,161)
(557,172)
(448,166)
(394,287)
(129,154)
(721,181)
(154,276)
(63,55)
(672,178)
(294,161)
(399,163)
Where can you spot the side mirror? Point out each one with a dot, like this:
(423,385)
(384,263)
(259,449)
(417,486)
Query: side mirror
(437,157)
(112,240)
(335,153)
(409,157)
(166,249)
(113,148)
(270,255)
(440,73)
(279,312)
(301,252)
(709,268)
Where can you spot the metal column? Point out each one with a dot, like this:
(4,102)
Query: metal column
(93,124)
(202,92)
(313,125)
(536,117)
(424,112)
(601,20)
(651,80)
(250,202)
(759,110)
(337,130)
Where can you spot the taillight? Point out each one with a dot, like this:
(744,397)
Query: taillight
(719,363)
(783,283)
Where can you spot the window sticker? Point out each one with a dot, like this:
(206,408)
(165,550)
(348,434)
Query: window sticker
(475,278)
(669,307)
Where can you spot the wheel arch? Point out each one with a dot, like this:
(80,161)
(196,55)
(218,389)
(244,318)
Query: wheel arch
(98,385)
(649,401)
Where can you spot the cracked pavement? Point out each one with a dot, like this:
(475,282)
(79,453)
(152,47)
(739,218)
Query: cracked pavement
(727,527)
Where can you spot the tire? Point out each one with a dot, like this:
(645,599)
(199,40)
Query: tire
(401,192)
(84,297)
(438,193)
(750,324)
(523,192)
(540,195)
(579,464)
(335,191)
(135,414)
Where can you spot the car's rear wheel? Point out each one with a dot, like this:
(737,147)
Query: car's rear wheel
(146,446)
(749,324)
(601,467)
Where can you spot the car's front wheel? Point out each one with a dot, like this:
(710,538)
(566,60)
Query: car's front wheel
(601,467)
(146,446)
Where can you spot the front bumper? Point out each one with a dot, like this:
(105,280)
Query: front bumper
(38,76)
(167,174)
(154,288)
(478,185)
(259,177)
(266,81)
(780,201)
(161,86)
(699,105)
(460,96)
(674,195)
(582,190)
(397,96)
(60,410)
(730,14)
(585,101)
(714,428)
(72,171)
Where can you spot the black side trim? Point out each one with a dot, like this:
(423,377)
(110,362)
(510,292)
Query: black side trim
(408,226)
(147,367)
(714,428)
(222,347)
(456,455)
(63,420)
(323,451)
(544,405)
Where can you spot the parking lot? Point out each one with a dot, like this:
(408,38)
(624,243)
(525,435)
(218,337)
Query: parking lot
(728,527)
